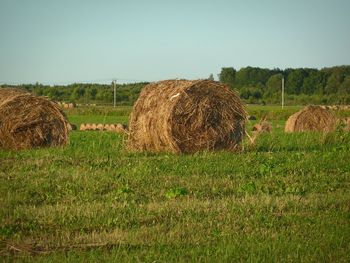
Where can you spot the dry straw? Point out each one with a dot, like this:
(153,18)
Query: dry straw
(183,116)
(346,123)
(28,121)
(311,118)
(263,126)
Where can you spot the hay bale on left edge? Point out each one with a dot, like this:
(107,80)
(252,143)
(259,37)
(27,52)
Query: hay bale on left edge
(184,116)
(28,121)
(311,118)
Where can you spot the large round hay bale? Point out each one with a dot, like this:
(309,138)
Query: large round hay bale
(28,121)
(184,116)
(311,118)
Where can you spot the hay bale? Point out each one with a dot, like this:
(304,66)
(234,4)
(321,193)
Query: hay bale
(183,116)
(311,118)
(28,121)
(82,127)
(120,128)
(263,126)
(93,127)
(88,127)
(100,127)
(111,127)
(346,122)
(107,127)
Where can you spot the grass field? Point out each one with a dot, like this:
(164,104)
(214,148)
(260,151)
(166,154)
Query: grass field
(286,199)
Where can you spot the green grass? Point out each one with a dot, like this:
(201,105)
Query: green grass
(285,199)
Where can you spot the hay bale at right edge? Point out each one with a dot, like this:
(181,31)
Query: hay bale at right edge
(311,118)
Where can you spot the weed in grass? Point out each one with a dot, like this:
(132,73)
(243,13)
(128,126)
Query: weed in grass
(176,192)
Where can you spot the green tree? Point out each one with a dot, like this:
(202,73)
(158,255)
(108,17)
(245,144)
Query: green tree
(295,81)
(78,92)
(333,83)
(228,76)
(314,82)
(345,86)
(274,84)
(91,93)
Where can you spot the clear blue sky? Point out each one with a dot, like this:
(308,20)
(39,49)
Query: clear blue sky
(71,41)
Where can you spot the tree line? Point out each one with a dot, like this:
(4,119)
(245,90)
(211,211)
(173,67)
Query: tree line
(87,93)
(254,85)
(302,85)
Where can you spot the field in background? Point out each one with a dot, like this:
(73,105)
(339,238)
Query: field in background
(285,199)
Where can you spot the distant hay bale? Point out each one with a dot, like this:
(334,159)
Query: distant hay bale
(82,127)
(107,127)
(120,128)
(311,118)
(263,126)
(28,121)
(88,127)
(184,116)
(100,127)
(93,127)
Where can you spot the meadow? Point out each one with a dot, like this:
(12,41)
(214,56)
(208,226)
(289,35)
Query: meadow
(284,199)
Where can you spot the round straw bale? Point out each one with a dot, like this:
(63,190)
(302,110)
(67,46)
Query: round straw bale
(121,128)
(82,127)
(107,127)
(88,127)
(184,116)
(93,127)
(311,118)
(112,127)
(100,127)
(28,121)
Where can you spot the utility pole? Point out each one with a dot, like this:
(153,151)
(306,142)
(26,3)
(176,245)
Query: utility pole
(115,94)
(282,92)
